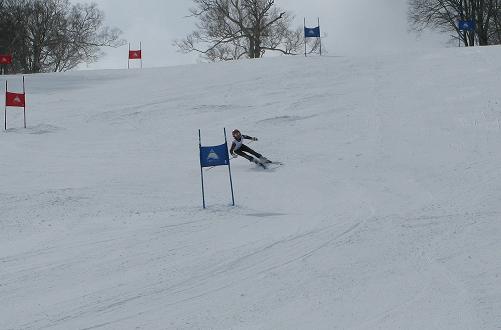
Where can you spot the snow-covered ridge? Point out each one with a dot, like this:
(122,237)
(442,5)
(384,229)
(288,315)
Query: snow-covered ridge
(384,216)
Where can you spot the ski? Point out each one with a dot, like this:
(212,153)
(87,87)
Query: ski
(267,163)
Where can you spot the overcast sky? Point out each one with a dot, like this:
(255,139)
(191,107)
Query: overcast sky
(349,26)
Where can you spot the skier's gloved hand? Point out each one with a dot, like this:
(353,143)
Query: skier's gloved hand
(234,155)
(254,139)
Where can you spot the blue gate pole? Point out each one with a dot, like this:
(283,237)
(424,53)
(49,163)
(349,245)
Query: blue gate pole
(304,35)
(319,36)
(229,169)
(201,170)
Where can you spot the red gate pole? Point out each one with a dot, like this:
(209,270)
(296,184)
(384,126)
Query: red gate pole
(5,111)
(24,105)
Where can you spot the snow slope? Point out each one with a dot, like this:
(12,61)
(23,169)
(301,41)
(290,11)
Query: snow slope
(386,214)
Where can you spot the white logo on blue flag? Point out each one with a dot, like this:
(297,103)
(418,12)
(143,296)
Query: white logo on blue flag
(466,25)
(212,155)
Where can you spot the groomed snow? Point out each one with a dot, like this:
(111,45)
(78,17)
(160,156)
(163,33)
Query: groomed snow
(386,214)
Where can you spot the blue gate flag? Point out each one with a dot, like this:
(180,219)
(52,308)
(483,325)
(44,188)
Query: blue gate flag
(312,32)
(466,25)
(214,155)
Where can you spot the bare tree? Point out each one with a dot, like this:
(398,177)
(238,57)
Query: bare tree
(82,38)
(53,35)
(232,29)
(443,15)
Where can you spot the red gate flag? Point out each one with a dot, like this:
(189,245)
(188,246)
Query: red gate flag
(14,99)
(134,54)
(5,59)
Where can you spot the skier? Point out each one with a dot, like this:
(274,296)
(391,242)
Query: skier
(240,149)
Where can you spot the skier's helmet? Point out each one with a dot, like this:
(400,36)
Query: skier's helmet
(235,132)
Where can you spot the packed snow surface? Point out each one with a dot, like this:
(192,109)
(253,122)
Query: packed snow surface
(385,214)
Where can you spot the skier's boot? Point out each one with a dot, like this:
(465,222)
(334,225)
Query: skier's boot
(257,162)
(264,160)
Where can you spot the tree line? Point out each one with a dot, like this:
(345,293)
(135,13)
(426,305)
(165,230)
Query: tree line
(233,29)
(443,15)
(55,35)
(52,35)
